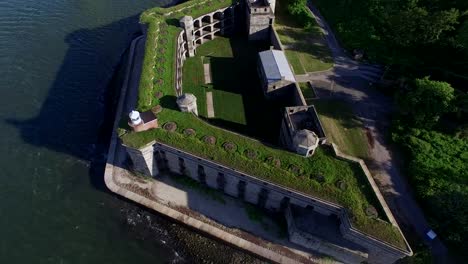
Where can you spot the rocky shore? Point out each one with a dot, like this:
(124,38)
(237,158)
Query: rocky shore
(187,246)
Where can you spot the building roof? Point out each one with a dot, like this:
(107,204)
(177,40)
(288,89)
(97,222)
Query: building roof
(305,138)
(186,99)
(276,66)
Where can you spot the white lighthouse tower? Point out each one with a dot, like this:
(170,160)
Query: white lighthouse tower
(135,118)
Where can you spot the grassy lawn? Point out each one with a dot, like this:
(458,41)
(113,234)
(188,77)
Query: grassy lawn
(229,106)
(193,80)
(306,49)
(342,127)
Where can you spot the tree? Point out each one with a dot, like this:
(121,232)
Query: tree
(426,102)
(415,25)
(462,36)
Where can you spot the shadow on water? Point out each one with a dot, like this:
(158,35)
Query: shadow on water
(77,115)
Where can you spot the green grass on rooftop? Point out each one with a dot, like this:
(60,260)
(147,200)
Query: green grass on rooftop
(306,49)
(318,176)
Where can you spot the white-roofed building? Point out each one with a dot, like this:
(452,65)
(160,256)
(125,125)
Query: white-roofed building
(275,72)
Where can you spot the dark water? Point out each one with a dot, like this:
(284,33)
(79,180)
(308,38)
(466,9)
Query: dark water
(57,59)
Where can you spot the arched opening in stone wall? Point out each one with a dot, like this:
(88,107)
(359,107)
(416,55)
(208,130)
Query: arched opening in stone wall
(206,20)
(262,197)
(196,24)
(182,168)
(207,37)
(218,16)
(201,174)
(241,189)
(284,203)
(221,181)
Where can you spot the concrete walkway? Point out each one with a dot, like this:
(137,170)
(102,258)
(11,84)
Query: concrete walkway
(207,73)
(351,81)
(209,105)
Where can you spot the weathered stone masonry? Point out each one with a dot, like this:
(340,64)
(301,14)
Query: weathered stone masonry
(156,157)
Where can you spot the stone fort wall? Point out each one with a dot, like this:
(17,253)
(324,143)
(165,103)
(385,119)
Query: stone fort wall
(155,158)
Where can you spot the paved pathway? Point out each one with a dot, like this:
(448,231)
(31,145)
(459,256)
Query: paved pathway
(207,73)
(349,80)
(209,105)
(343,65)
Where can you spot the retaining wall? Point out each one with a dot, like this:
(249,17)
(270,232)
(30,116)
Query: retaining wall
(274,40)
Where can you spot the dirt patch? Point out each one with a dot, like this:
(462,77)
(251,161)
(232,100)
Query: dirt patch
(189,132)
(251,154)
(274,161)
(156,109)
(229,146)
(210,140)
(170,126)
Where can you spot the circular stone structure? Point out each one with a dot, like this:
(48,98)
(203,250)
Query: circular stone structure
(274,161)
(295,169)
(170,126)
(210,140)
(342,185)
(229,146)
(190,132)
(371,211)
(187,103)
(158,94)
(319,178)
(251,154)
(156,109)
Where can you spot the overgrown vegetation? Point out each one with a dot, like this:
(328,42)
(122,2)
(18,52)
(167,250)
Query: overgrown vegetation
(430,128)
(413,37)
(356,197)
(342,127)
(303,40)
